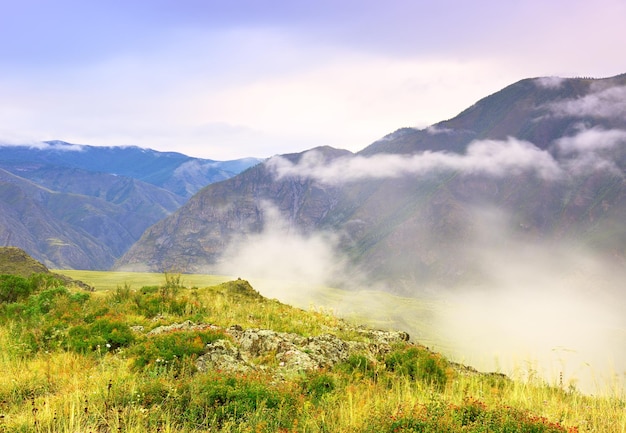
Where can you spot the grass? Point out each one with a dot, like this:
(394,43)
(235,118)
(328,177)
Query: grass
(70,365)
(106,280)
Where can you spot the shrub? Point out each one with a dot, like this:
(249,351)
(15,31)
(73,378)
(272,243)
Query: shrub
(318,384)
(358,365)
(217,399)
(103,334)
(43,281)
(33,307)
(419,364)
(172,350)
(473,416)
(153,300)
(14,288)
(43,302)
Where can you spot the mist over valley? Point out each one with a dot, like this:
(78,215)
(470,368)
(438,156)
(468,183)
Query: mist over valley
(496,236)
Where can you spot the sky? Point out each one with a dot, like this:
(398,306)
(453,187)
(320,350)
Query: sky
(226,79)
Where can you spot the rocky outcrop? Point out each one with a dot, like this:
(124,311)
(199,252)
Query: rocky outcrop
(288,353)
(187,325)
(223,355)
(246,350)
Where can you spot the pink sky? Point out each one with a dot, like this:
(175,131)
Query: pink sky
(228,79)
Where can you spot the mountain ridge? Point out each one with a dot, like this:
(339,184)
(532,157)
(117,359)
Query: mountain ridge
(81,207)
(409,206)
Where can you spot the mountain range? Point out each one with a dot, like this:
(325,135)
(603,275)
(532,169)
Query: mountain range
(82,207)
(538,164)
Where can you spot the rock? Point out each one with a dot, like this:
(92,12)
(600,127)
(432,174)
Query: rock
(260,342)
(293,352)
(296,360)
(387,337)
(185,326)
(222,355)
(327,350)
(281,352)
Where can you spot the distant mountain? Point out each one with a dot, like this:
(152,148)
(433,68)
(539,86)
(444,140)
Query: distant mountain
(81,207)
(543,160)
(181,174)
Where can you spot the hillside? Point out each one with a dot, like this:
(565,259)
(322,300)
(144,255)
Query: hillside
(15,262)
(539,163)
(225,358)
(82,207)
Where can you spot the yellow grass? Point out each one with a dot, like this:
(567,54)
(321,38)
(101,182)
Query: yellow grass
(107,280)
(66,392)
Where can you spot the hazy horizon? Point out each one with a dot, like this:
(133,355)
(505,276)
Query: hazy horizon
(225,80)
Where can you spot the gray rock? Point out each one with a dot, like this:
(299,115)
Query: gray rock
(222,355)
(185,326)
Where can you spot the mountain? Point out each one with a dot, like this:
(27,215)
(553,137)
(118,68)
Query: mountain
(181,174)
(195,236)
(82,207)
(539,163)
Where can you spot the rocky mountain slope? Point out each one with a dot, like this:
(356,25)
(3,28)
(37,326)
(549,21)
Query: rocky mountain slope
(82,207)
(541,161)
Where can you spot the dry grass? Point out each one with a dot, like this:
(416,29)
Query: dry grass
(60,390)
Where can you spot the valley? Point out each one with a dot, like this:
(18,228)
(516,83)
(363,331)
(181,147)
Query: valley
(494,239)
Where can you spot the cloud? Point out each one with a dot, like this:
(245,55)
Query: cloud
(591,150)
(591,140)
(42,145)
(549,82)
(540,309)
(280,261)
(434,130)
(602,103)
(549,307)
(491,157)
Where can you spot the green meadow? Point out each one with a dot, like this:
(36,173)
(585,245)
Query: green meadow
(77,361)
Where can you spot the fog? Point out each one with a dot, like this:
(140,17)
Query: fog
(283,263)
(605,100)
(539,308)
(492,157)
(547,310)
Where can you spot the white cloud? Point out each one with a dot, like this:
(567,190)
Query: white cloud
(592,140)
(491,157)
(280,261)
(434,130)
(58,146)
(556,305)
(550,82)
(603,103)
(591,150)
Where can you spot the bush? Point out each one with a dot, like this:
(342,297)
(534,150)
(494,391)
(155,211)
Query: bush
(216,400)
(103,334)
(34,307)
(150,301)
(357,364)
(419,364)
(14,288)
(473,416)
(172,350)
(318,384)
